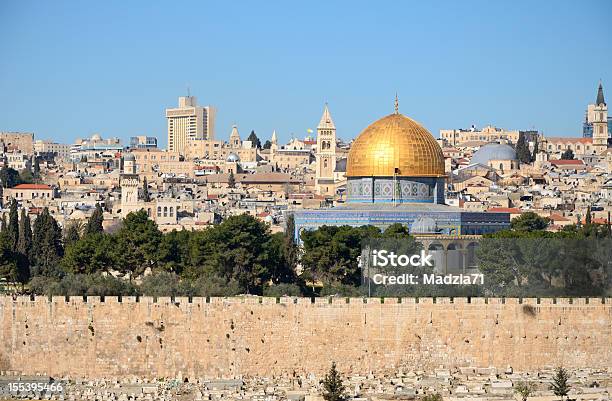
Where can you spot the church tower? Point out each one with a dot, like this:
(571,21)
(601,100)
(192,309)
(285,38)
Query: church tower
(129,186)
(326,154)
(600,122)
(234,140)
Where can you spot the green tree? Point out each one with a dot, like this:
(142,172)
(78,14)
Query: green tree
(24,243)
(254,140)
(267,145)
(72,233)
(560,385)
(9,177)
(588,220)
(94,224)
(536,150)
(26,176)
(333,389)
(174,251)
(522,150)
(24,248)
(46,245)
(138,242)
(567,155)
(146,196)
(13,225)
(239,249)
(36,168)
(231,180)
(8,260)
(524,390)
(91,254)
(330,253)
(529,221)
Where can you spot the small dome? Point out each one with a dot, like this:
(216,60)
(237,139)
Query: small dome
(129,157)
(493,151)
(232,157)
(96,137)
(424,225)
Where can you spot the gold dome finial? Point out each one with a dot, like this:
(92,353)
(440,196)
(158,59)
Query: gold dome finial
(396,104)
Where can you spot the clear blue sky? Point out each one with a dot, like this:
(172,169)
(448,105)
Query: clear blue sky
(68,69)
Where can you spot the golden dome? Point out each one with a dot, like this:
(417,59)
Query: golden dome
(395,142)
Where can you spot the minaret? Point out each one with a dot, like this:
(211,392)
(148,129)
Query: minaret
(326,154)
(129,186)
(600,122)
(273,142)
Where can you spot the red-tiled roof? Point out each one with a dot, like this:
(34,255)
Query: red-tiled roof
(566,162)
(31,186)
(511,210)
(558,217)
(569,140)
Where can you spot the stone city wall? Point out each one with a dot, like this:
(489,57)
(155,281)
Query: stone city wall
(253,336)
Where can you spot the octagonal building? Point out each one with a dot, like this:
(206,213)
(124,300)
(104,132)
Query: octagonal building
(395,174)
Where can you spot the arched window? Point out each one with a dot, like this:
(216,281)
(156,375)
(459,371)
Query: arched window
(325,163)
(171,211)
(159,211)
(165,211)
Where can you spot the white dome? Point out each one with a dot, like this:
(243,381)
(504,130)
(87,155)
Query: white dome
(493,151)
(232,157)
(96,137)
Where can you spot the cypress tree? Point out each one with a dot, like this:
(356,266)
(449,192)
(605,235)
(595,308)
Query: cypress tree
(24,245)
(36,170)
(333,388)
(13,225)
(536,150)
(24,248)
(560,386)
(522,150)
(46,245)
(231,180)
(588,219)
(71,234)
(94,225)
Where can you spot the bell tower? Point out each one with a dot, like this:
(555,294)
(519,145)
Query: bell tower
(129,186)
(326,154)
(600,122)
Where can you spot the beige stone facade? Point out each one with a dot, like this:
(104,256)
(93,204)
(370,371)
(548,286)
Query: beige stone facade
(21,141)
(458,137)
(252,336)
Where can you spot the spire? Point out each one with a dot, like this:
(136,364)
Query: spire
(235,131)
(273,140)
(326,120)
(396,104)
(600,96)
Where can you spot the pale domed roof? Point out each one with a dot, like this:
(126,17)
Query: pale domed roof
(96,137)
(493,151)
(395,142)
(129,157)
(232,157)
(424,225)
